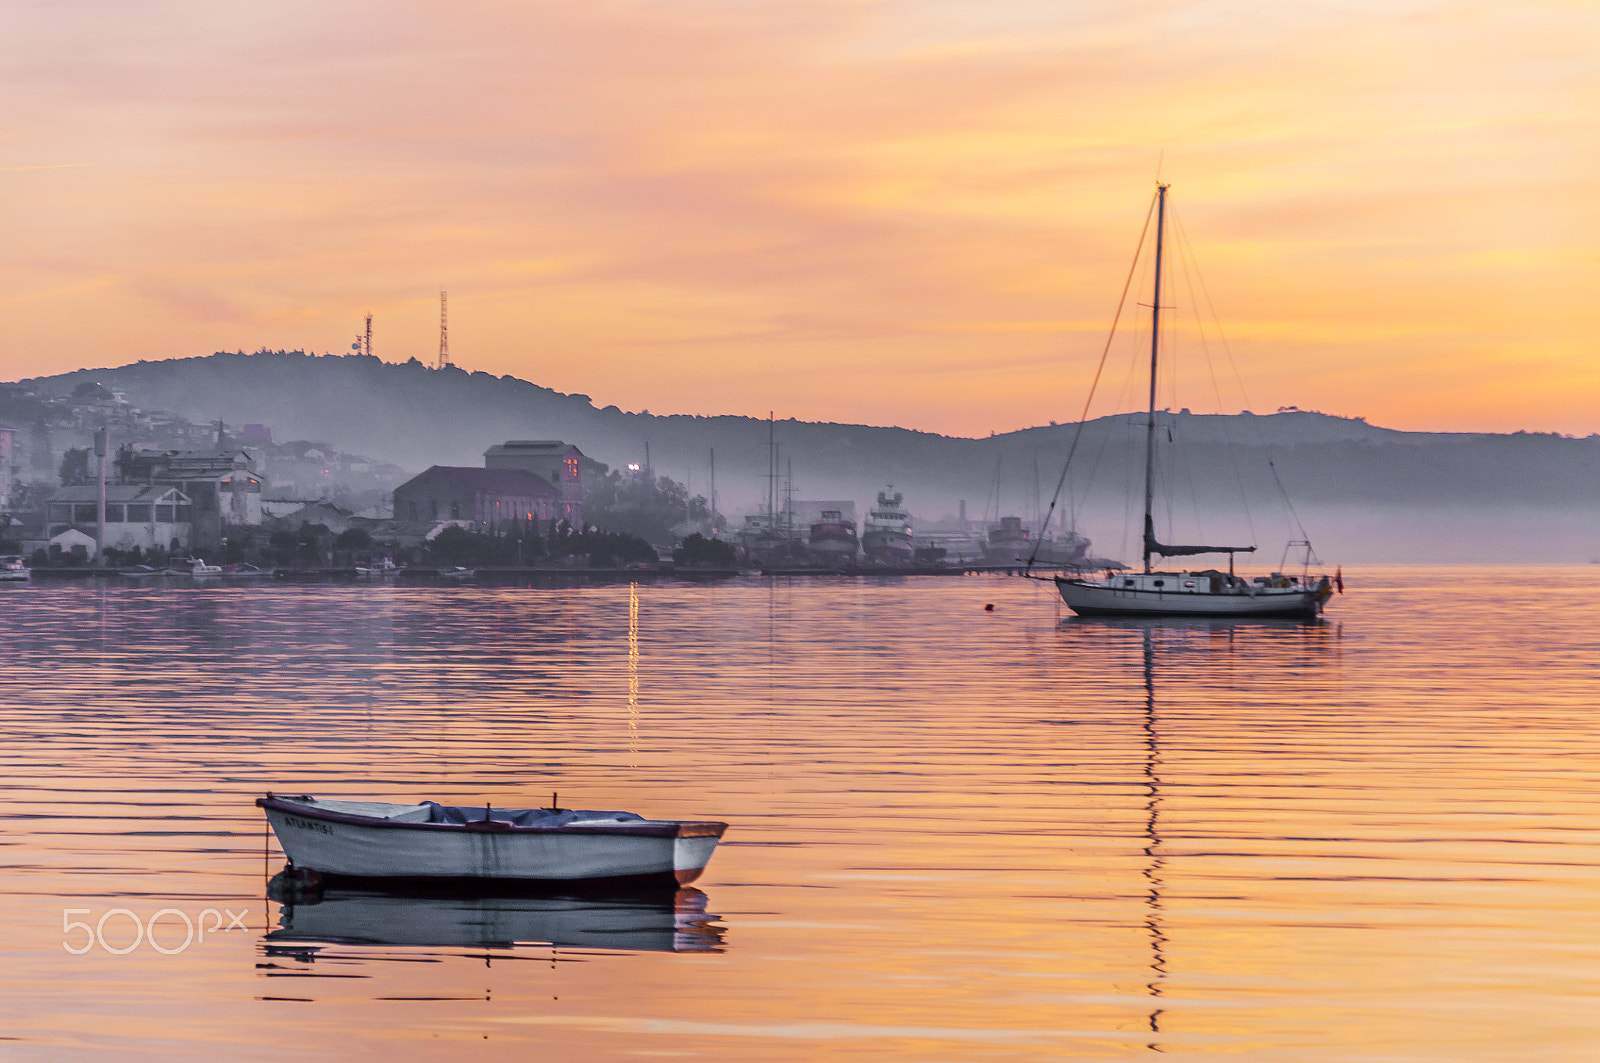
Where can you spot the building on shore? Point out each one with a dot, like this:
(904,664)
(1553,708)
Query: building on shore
(553,461)
(221,485)
(497,501)
(147,516)
(10,465)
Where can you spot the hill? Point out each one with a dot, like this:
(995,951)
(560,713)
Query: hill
(416,416)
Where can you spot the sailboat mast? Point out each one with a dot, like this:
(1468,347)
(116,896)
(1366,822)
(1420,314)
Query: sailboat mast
(1155,345)
(772,474)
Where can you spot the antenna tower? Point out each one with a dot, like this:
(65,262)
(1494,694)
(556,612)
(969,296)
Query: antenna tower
(444,331)
(368,351)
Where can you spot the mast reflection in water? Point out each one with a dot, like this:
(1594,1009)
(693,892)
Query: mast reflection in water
(957,833)
(1215,638)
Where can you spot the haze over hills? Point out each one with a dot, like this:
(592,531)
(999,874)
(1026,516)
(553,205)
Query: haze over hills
(1368,491)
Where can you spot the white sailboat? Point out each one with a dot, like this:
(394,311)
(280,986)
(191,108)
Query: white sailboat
(1186,592)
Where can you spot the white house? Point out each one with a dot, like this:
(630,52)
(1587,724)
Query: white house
(148,516)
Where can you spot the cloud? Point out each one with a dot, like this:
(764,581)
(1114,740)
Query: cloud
(912,208)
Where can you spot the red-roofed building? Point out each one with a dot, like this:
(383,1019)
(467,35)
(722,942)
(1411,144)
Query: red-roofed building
(497,501)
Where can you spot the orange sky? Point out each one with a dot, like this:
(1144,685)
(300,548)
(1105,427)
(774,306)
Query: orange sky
(913,213)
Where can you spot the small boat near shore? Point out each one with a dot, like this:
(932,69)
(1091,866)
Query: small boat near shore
(433,843)
(193,566)
(14,569)
(378,570)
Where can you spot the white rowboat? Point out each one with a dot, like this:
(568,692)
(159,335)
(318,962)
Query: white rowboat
(429,842)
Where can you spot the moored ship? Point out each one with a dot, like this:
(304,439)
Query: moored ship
(771,542)
(886,538)
(1008,543)
(1067,550)
(833,537)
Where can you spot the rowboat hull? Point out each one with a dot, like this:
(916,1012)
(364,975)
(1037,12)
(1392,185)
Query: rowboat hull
(1089,598)
(338,844)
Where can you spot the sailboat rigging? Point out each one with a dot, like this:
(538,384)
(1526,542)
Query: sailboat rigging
(1185,593)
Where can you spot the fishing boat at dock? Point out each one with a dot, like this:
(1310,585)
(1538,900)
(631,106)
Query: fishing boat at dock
(886,537)
(833,538)
(429,842)
(1008,542)
(1207,592)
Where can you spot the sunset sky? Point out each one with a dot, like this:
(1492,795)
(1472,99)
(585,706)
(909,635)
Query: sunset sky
(913,213)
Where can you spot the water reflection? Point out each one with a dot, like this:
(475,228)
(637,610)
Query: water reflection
(647,922)
(959,833)
(1172,643)
(1152,829)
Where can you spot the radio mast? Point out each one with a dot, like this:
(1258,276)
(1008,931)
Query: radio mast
(444,331)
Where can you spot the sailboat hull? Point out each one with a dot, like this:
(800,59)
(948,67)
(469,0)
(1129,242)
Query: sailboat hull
(1088,598)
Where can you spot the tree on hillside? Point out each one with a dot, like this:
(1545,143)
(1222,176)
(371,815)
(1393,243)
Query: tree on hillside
(605,549)
(635,502)
(458,546)
(75,466)
(699,552)
(90,389)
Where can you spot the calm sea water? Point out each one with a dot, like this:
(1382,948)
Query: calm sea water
(955,834)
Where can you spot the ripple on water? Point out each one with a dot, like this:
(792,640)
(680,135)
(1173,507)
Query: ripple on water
(955,833)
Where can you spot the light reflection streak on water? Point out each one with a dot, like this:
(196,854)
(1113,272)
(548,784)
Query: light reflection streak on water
(956,834)
(633,675)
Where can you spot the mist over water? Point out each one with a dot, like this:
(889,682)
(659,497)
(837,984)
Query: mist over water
(1364,493)
(954,834)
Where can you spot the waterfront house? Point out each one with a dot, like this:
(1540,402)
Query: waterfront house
(10,466)
(551,460)
(221,483)
(496,501)
(148,516)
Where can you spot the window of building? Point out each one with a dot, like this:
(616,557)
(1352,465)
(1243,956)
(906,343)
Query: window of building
(433,509)
(85,513)
(113,512)
(164,513)
(411,508)
(138,513)
(572,468)
(455,510)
